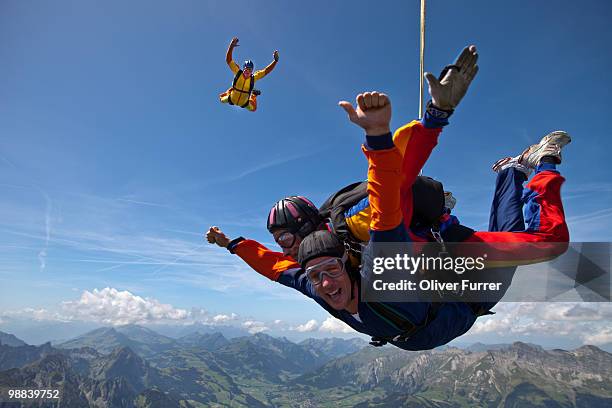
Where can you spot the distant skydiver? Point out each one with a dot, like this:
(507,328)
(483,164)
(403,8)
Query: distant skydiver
(242,92)
(334,283)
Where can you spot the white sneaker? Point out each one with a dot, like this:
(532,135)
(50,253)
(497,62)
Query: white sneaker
(503,164)
(550,145)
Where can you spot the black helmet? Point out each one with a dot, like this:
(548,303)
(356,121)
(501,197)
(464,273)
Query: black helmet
(320,243)
(296,214)
(248,64)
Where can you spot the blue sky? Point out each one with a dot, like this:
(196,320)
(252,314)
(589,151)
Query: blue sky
(115,154)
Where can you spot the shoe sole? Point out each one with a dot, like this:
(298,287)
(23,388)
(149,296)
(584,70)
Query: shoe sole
(558,137)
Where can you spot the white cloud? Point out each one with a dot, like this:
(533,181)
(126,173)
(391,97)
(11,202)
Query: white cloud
(571,312)
(309,326)
(570,320)
(604,336)
(254,326)
(198,314)
(110,306)
(223,318)
(587,323)
(333,325)
(36,314)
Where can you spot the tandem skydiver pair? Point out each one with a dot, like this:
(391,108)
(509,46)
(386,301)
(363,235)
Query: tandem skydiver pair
(316,261)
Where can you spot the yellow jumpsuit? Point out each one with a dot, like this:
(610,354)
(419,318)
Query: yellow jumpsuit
(239,93)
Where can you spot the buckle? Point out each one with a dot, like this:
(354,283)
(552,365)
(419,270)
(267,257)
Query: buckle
(438,237)
(378,342)
(436,234)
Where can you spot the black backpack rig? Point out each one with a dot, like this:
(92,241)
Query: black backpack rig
(428,207)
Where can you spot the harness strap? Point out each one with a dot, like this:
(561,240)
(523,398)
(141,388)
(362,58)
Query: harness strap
(251,85)
(456,233)
(411,329)
(240,90)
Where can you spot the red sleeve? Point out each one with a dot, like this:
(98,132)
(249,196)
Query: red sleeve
(268,263)
(415,142)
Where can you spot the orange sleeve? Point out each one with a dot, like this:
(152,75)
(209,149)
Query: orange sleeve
(384,182)
(268,263)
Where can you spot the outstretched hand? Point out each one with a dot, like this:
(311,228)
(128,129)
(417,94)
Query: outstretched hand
(275,55)
(216,236)
(234,42)
(373,112)
(446,92)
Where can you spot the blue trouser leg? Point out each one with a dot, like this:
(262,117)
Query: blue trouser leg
(506,215)
(507,207)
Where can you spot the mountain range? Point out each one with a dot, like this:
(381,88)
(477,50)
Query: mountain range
(132,366)
(10,340)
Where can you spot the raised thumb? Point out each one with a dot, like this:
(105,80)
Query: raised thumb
(348,108)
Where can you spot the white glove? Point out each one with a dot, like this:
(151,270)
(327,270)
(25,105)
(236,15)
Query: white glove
(447,92)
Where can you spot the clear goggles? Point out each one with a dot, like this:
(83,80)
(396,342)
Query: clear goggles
(285,240)
(332,268)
